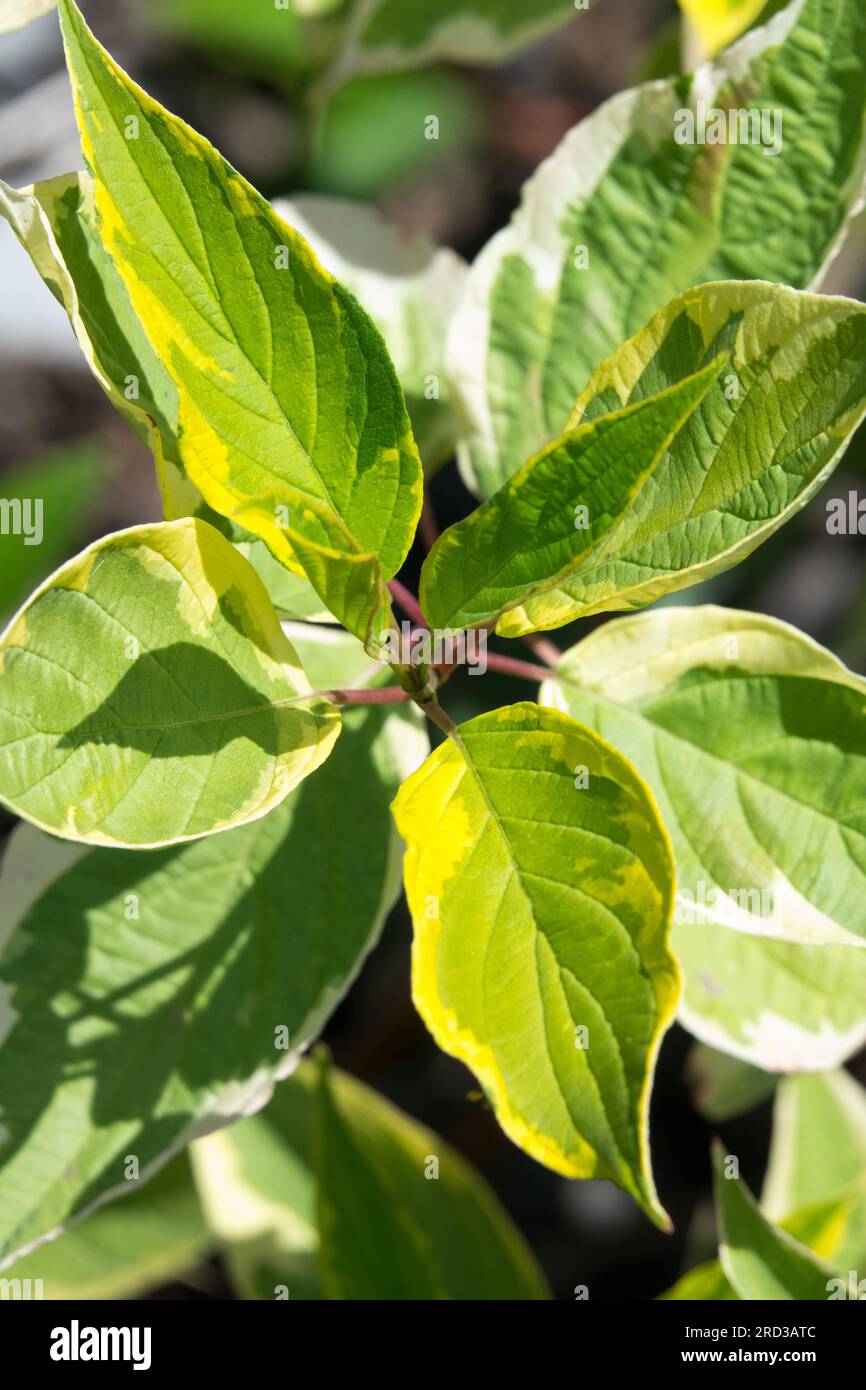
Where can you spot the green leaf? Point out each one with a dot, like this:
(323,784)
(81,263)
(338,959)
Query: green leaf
(148,695)
(718,22)
(152,1235)
(705,1283)
(259,37)
(401,1215)
(818,1154)
(333,658)
(257,1187)
(14,14)
(622,218)
(815,1187)
(389,34)
(777,1005)
(832,1227)
(540,880)
(754,454)
(823,1228)
(724,1087)
(404,1234)
(199,972)
(291,421)
(293,596)
(409,288)
(761,1261)
(525,559)
(284,44)
(55,223)
(59,489)
(754,740)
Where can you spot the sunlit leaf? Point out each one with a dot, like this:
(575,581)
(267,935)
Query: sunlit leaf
(55,223)
(754,741)
(818,1154)
(753,454)
(291,421)
(622,218)
(409,288)
(148,695)
(527,559)
(147,999)
(760,1260)
(540,881)
(717,22)
(753,738)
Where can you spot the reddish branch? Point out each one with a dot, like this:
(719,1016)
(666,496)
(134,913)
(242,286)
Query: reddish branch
(428,527)
(434,711)
(396,695)
(383,695)
(544,649)
(407,601)
(523,670)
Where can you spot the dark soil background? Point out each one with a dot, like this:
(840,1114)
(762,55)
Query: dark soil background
(496,127)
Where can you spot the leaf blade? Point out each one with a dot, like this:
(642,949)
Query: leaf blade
(585,1115)
(408,1236)
(719,22)
(695,213)
(384,34)
(518,561)
(749,457)
(195,970)
(148,695)
(759,1260)
(151,1236)
(288,402)
(409,287)
(818,1155)
(677,686)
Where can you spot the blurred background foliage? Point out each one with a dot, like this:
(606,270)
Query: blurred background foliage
(214,63)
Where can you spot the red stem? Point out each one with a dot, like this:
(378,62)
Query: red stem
(523,670)
(407,601)
(547,651)
(428,527)
(383,695)
(443,721)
